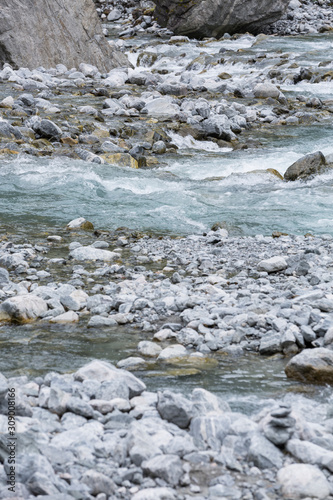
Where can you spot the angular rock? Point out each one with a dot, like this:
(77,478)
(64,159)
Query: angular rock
(303,480)
(122,160)
(312,365)
(47,129)
(208,431)
(306,166)
(67,32)
(23,308)
(98,483)
(197,18)
(175,408)
(270,343)
(103,371)
(264,454)
(167,467)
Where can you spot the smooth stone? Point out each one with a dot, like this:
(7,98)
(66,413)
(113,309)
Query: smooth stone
(92,253)
(273,264)
(171,352)
(147,348)
(67,317)
(302,480)
(23,308)
(306,166)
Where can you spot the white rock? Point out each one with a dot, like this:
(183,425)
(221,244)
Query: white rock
(67,317)
(302,480)
(173,351)
(77,223)
(273,264)
(92,253)
(147,348)
(114,15)
(102,405)
(130,362)
(22,308)
(7,102)
(54,237)
(155,494)
(162,107)
(88,69)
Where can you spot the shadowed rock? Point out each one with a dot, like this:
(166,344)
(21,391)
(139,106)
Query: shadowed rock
(199,18)
(306,166)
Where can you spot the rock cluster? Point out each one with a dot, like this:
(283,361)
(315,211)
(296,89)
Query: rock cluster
(100,433)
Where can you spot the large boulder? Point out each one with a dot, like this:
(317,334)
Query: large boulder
(307,166)
(200,18)
(45,33)
(312,365)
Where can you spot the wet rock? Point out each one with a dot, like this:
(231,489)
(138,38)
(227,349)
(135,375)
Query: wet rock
(306,167)
(122,160)
(302,480)
(148,348)
(217,17)
(175,408)
(80,223)
(67,317)
(8,131)
(172,352)
(312,365)
(23,308)
(47,129)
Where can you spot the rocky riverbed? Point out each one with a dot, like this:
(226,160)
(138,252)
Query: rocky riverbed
(100,431)
(215,350)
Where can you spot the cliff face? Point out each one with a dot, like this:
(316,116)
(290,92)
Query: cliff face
(204,18)
(49,32)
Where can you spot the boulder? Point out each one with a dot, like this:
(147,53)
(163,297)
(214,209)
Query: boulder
(302,480)
(198,18)
(264,90)
(306,166)
(92,253)
(22,308)
(166,467)
(63,32)
(312,365)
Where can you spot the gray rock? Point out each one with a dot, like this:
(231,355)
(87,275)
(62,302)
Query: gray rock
(208,431)
(310,453)
(312,365)
(306,166)
(79,407)
(8,131)
(266,90)
(205,402)
(200,19)
(175,408)
(166,467)
(264,454)
(73,27)
(47,129)
(98,483)
(302,480)
(270,343)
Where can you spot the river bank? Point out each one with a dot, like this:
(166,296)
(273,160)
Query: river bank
(192,308)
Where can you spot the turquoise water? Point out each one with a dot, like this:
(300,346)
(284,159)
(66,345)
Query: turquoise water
(180,197)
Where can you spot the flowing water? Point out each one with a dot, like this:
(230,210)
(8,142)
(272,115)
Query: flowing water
(200,185)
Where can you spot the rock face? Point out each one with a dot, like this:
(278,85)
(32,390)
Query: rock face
(199,18)
(312,365)
(44,33)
